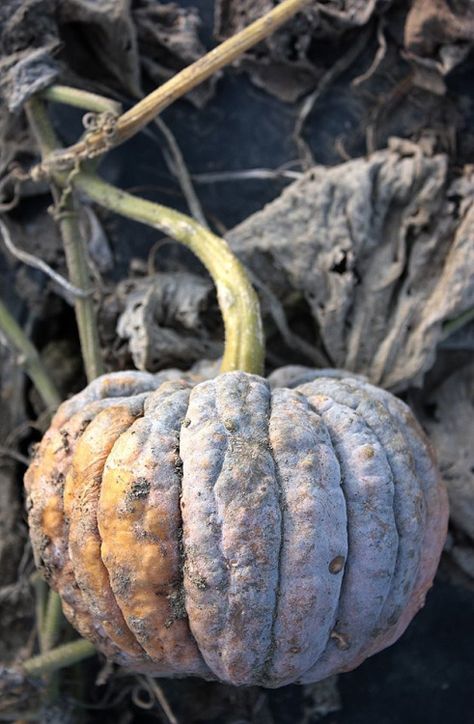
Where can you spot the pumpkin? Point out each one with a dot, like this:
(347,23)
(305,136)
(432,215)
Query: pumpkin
(233,530)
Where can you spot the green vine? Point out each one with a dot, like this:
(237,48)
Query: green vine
(244,344)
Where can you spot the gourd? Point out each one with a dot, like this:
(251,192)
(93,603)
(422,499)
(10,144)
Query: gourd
(234,531)
(236,528)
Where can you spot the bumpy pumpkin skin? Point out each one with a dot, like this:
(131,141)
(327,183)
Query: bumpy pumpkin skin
(235,530)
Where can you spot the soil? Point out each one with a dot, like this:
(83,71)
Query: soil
(372,87)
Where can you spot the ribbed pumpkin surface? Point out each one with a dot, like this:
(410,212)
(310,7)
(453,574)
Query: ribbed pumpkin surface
(234,531)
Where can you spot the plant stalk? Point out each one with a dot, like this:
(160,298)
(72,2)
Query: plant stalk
(137,117)
(51,623)
(244,344)
(74,245)
(79,98)
(58,658)
(30,358)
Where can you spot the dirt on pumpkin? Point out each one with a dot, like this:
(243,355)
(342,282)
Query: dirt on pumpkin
(337,158)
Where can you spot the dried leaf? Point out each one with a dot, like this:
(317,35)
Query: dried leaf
(95,45)
(382,251)
(168,40)
(450,428)
(163,320)
(284,64)
(438,36)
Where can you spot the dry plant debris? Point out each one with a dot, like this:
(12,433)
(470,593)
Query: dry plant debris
(381,250)
(164,320)
(449,424)
(284,64)
(438,35)
(107,46)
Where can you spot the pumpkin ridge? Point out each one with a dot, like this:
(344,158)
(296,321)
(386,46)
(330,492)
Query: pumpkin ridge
(137,514)
(436,501)
(264,676)
(181,551)
(200,547)
(84,537)
(113,386)
(403,494)
(234,647)
(222,419)
(248,491)
(334,388)
(315,535)
(45,481)
(362,528)
(348,537)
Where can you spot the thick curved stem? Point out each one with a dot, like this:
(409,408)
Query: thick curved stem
(244,345)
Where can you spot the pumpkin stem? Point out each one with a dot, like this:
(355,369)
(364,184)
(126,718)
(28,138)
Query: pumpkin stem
(244,344)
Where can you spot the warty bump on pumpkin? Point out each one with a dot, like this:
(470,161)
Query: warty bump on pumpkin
(235,531)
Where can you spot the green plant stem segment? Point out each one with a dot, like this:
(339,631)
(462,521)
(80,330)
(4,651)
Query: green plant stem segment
(74,245)
(81,99)
(76,259)
(58,658)
(51,622)
(452,325)
(30,359)
(244,344)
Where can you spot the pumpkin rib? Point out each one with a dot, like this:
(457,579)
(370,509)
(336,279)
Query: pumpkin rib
(314,536)
(139,521)
(52,465)
(248,494)
(232,624)
(87,468)
(372,538)
(202,445)
(265,673)
(436,504)
(409,506)
(407,561)
(113,385)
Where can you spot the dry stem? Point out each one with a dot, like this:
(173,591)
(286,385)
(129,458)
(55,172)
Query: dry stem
(127,125)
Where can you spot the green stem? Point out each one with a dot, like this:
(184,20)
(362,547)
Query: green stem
(244,345)
(40,588)
(81,99)
(74,245)
(452,325)
(30,359)
(76,259)
(58,658)
(52,620)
